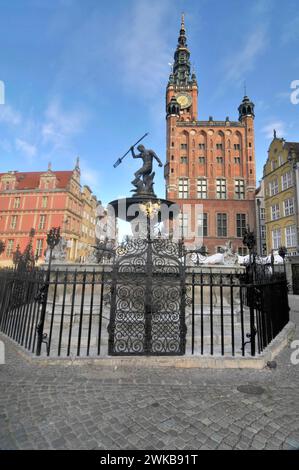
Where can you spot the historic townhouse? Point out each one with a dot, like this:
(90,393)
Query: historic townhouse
(281,181)
(208,162)
(88,224)
(41,200)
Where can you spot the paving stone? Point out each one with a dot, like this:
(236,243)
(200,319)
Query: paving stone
(89,406)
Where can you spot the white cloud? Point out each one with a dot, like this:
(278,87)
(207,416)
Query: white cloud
(28,149)
(279,126)
(240,63)
(142,47)
(10,116)
(60,125)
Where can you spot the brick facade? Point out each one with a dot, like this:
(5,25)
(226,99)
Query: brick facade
(201,154)
(42,200)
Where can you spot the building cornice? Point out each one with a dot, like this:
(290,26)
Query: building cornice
(210,124)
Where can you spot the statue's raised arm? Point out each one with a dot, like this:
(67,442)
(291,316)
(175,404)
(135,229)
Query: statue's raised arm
(157,158)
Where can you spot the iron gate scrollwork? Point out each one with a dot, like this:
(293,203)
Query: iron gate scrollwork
(147,314)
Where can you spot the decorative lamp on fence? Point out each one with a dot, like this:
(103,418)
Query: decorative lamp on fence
(53,238)
(249,241)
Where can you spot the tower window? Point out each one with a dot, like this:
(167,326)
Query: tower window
(203,225)
(183,188)
(9,248)
(219,159)
(202,188)
(240,224)
(202,146)
(42,222)
(184,160)
(237,146)
(13,222)
(219,146)
(39,248)
(239,189)
(17,202)
(237,160)
(221,188)
(201,160)
(183,218)
(221,225)
(249,144)
(184,146)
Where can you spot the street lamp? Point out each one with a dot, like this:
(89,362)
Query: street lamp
(249,240)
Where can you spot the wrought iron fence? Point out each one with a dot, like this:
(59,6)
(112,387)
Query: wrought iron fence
(225,314)
(19,305)
(230,315)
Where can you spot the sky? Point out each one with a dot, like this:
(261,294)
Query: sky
(87,78)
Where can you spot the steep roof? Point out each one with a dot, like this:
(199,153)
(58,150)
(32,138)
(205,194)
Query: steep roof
(292,146)
(30,180)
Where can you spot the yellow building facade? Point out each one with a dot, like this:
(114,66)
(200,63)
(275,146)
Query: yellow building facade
(281,202)
(88,223)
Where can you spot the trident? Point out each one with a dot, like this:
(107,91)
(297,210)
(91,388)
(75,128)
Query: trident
(120,159)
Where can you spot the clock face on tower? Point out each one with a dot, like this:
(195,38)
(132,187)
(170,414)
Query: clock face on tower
(184,100)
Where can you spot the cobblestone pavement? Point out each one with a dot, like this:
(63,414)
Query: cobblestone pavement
(94,407)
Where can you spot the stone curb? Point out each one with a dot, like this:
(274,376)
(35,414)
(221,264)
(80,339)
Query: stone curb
(202,362)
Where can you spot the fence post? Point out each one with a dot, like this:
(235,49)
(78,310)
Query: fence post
(53,238)
(42,298)
(251,314)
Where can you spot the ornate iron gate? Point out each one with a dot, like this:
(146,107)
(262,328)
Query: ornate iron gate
(147,314)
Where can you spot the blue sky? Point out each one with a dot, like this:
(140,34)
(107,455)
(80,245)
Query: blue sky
(88,78)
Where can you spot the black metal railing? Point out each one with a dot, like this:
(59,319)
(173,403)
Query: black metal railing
(225,314)
(19,307)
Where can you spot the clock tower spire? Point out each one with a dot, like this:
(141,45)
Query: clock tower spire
(182,85)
